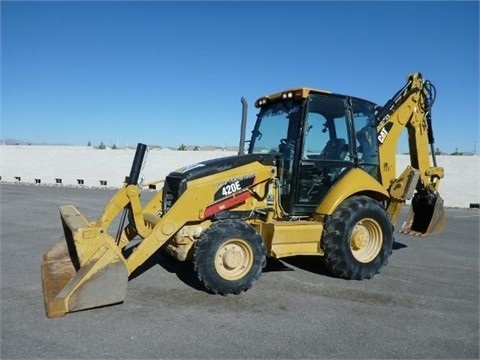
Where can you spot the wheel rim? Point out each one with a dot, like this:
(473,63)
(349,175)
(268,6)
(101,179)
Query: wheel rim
(366,240)
(233,259)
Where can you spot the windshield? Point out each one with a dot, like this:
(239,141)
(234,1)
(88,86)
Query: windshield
(276,124)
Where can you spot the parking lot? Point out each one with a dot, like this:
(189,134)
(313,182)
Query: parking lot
(424,304)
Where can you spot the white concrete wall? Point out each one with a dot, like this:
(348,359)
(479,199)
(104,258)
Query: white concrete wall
(459,188)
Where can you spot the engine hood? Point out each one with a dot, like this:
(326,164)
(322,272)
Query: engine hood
(214,166)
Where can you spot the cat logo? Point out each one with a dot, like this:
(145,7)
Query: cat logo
(382,135)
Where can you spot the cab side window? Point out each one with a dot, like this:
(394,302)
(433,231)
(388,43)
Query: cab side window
(315,136)
(366,136)
(326,132)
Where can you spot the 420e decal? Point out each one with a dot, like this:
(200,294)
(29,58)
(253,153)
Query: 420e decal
(233,186)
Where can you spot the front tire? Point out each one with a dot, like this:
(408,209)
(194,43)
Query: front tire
(229,257)
(358,239)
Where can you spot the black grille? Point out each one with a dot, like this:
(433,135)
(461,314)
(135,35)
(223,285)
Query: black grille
(174,187)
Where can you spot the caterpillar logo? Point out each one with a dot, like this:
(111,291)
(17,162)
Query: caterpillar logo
(382,135)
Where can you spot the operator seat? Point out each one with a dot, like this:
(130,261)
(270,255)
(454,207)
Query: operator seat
(367,144)
(368,150)
(333,150)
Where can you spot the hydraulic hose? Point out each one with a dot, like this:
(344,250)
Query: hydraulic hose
(394,102)
(429,94)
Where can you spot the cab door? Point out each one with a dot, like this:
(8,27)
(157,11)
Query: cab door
(326,150)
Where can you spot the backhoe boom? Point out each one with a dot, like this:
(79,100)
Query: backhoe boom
(411,108)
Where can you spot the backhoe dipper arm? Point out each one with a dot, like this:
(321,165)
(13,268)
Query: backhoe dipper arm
(410,108)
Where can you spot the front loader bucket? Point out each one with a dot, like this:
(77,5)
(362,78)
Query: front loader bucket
(426,215)
(81,270)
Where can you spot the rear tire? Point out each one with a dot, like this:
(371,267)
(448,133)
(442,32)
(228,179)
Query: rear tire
(358,239)
(229,257)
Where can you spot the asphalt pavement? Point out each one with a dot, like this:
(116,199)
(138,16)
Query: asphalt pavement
(423,305)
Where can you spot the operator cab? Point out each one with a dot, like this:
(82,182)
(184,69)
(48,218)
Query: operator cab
(317,137)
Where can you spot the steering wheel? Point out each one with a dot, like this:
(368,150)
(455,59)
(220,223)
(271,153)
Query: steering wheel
(286,143)
(287,147)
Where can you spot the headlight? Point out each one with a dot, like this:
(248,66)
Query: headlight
(261,102)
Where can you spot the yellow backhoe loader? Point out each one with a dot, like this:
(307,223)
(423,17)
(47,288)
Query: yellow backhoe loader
(319,178)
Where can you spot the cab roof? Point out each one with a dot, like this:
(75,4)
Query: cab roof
(299,93)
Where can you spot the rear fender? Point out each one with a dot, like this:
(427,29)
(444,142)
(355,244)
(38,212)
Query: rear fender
(354,182)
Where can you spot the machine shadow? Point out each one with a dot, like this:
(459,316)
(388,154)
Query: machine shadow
(398,246)
(184,270)
(185,273)
(310,263)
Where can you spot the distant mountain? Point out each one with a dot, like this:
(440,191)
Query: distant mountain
(13,141)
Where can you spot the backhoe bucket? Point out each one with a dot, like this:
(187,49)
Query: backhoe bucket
(83,269)
(426,215)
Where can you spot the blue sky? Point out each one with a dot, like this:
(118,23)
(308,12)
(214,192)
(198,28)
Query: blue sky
(168,73)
